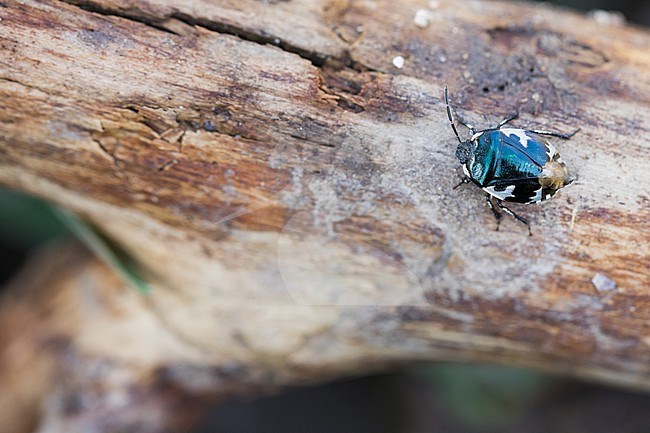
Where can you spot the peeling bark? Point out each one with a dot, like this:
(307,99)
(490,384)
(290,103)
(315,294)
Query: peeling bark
(288,191)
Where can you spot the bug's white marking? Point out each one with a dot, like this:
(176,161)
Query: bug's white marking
(466,171)
(520,133)
(551,151)
(506,193)
(537,197)
(547,196)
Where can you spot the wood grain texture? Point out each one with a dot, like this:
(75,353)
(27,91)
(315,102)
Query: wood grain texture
(289,190)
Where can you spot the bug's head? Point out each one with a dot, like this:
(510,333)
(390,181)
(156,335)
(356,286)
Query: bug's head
(465,150)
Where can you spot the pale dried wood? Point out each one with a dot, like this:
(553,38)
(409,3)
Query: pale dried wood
(288,189)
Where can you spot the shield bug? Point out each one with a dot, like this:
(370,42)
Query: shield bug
(509,164)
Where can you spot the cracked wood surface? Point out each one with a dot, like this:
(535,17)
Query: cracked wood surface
(288,190)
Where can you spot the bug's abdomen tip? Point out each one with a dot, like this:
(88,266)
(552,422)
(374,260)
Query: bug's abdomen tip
(555,175)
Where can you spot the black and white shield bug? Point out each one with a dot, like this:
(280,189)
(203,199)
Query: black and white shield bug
(509,164)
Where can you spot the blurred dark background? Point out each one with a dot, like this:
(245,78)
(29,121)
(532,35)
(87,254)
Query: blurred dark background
(634,11)
(449,398)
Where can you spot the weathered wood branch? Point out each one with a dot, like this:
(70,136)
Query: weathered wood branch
(288,190)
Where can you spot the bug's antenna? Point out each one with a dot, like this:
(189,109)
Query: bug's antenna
(451,119)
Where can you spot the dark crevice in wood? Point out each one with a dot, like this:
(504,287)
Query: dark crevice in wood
(15,81)
(316,58)
(134,16)
(105,150)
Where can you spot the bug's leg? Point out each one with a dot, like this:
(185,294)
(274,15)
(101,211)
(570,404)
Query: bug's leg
(514,215)
(462,182)
(460,119)
(510,118)
(554,134)
(497,215)
(471,128)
